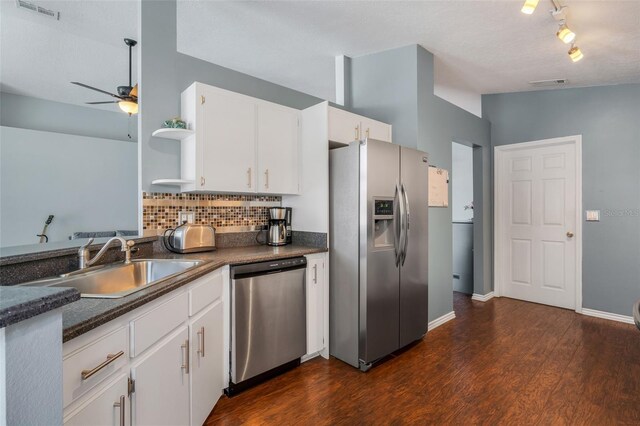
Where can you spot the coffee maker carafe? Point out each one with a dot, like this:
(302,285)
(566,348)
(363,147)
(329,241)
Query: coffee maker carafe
(277,233)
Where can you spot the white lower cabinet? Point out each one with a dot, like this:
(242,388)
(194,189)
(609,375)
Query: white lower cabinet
(317,339)
(162,383)
(106,407)
(165,361)
(206,335)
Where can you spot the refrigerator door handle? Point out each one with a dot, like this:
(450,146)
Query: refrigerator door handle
(405,198)
(397,224)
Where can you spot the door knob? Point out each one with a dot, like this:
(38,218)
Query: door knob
(569,234)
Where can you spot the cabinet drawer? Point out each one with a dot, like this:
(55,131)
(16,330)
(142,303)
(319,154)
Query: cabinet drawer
(101,408)
(205,292)
(150,327)
(97,360)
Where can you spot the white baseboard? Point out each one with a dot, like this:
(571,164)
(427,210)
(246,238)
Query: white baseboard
(308,357)
(483,297)
(608,316)
(439,321)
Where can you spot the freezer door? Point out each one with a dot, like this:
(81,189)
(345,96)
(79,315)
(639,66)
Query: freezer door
(379,275)
(414,288)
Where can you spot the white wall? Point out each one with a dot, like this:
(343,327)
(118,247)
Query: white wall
(88,183)
(450,87)
(461,181)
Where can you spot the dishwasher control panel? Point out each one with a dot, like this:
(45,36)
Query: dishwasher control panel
(268,267)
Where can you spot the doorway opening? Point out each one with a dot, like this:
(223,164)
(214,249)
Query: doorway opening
(462,217)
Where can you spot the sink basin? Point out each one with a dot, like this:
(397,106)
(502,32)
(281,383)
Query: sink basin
(119,280)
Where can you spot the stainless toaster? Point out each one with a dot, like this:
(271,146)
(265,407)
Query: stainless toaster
(190,238)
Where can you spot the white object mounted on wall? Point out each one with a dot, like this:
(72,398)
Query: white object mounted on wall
(438,187)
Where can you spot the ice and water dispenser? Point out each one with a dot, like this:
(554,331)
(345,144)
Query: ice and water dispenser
(383,222)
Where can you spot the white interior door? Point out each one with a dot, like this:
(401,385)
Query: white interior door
(537,222)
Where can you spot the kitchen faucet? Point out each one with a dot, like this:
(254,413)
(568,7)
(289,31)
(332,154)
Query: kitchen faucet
(84,256)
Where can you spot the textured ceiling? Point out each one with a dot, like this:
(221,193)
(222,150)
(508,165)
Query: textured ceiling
(484,46)
(40,56)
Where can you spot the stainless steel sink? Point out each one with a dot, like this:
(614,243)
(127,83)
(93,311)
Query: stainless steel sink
(119,280)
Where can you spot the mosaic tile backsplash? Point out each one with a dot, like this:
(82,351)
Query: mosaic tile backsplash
(160,210)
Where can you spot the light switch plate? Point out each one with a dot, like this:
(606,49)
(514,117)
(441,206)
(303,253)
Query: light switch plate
(593,215)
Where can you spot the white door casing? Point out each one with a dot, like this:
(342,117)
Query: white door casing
(538,224)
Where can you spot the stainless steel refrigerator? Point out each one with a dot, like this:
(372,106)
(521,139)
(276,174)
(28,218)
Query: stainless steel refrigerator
(378,250)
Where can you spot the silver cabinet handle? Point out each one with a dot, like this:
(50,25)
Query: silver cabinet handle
(120,404)
(185,359)
(357,132)
(266,177)
(315,274)
(201,180)
(367,133)
(201,342)
(249,177)
(85,374)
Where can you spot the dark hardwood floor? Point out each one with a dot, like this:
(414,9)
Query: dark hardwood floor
(500,362)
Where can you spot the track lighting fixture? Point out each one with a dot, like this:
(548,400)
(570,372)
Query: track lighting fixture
(565,34)
(559,13)
(575,53)
(529,6)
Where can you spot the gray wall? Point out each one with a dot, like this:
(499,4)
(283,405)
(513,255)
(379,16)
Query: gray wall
(39,114)
(165,73)
(396,87)
(383,86)
(89,184)
(608,118)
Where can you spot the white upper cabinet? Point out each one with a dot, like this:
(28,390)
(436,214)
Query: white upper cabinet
(345,127)
(277,149)
(228,134)
(240,145)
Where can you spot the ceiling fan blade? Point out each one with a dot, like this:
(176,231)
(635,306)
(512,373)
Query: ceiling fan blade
(96,89)
(134,92)
(99,103)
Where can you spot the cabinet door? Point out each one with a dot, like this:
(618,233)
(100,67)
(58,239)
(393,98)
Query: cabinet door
(378,130)
(315,305)
(207,362)
(228,142)
(104,407)
(344,127)
(161,396)
(277,149)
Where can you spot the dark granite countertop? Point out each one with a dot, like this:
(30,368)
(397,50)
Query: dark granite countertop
(21,303)
(86,314)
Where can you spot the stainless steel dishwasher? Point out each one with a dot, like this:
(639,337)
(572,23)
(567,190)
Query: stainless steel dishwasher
(268,320)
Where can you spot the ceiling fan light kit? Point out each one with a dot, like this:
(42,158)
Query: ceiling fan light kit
(127,97)
(559,13)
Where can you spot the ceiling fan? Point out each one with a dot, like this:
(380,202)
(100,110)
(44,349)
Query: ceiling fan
(127,97)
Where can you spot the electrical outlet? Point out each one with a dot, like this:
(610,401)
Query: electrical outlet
(188,217)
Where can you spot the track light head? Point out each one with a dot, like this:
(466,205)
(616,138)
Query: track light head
(575,53)
(529,6)
(565,34)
